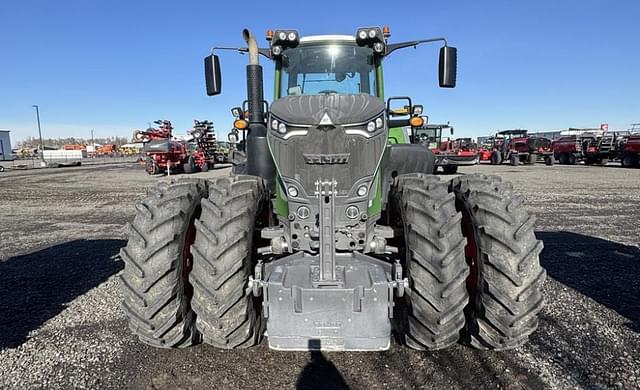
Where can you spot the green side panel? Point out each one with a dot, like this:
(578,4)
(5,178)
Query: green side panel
(276,83)
(397,136)
(282,206)
(376,202)
(380,82)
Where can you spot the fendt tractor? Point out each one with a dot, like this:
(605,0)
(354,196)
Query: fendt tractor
(329,237)
(449,154)
(517,146)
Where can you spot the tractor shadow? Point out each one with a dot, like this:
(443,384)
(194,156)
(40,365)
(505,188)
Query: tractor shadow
(605,271)
(37,286)
(319,373)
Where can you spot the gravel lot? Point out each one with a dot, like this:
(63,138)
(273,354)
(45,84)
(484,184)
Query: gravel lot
(61,325)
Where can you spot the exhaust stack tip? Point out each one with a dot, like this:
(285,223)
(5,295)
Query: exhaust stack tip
(246,34)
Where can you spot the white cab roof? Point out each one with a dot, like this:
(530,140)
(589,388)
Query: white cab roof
(318,38)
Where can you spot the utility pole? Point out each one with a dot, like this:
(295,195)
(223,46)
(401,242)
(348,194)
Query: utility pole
(39,132)
(93,144)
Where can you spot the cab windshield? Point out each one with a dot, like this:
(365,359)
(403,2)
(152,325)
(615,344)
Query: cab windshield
(428,137)
(328,68)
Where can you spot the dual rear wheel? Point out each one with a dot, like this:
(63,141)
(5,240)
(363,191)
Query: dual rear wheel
(187,261)
(472,261)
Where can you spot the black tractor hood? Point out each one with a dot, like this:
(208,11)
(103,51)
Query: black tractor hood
(341,109)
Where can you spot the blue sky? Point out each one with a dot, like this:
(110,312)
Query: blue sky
(115,65)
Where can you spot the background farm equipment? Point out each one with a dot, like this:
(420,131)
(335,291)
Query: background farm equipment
(449,154)
(573,148)
(162,153)
(207,150)
(629,148)
(516,146)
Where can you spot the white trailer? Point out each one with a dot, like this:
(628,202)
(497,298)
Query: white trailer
(62,155)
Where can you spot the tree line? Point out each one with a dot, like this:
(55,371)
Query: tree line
(34,142)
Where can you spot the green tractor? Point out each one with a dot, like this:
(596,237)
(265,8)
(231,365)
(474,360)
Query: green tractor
(332,234)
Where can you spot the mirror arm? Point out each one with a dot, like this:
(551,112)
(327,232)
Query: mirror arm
(401,45)
(242,50)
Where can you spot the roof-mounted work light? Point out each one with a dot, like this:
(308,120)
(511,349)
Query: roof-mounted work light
(372,37)
(281,39)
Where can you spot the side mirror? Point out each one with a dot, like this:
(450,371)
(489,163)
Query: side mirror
(448,67)
(212,75)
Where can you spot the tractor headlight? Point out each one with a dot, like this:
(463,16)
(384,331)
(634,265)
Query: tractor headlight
(362,190)
(352,212)
(375,124)
(292,36)
(276,50)
(292,191)
(274,124)
(371,126)
(372,33)
(282,35)
(303,212)
(362,34)
(282,128)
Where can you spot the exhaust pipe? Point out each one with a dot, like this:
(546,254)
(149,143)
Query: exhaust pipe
(259,161)
(255,93)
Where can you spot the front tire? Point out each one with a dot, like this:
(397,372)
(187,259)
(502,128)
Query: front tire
(629,161)
(450,169)
(434,262)
(189,166)
(224,255)
(150,167)
(506,278)
(154,283)
(496,159)
(563,158)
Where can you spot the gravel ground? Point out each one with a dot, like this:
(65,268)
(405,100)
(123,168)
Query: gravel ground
(61,325)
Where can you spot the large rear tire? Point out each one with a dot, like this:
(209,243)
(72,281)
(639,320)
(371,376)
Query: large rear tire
(503,254)
(154,283)
(433,258)
(224,258)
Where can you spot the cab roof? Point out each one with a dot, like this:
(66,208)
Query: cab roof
(323,38)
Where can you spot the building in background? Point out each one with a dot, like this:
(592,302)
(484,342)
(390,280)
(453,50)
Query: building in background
(5,146)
